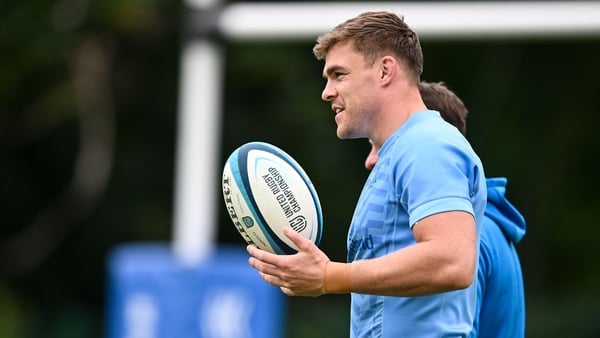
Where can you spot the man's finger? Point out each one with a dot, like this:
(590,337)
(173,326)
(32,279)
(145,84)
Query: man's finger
(264,267)
(300,242)
(262,255)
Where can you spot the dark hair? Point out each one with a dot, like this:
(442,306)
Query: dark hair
(437,96)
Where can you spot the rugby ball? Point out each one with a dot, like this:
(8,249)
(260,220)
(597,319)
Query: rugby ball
(266,190)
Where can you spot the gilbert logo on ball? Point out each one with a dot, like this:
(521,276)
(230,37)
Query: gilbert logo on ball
(266,190)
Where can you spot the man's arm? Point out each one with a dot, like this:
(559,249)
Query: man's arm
(443,259)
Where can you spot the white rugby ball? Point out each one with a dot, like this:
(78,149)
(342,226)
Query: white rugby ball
(266,190)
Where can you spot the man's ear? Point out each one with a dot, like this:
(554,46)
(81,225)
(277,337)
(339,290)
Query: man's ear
(388,68)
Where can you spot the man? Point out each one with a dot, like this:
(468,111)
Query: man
(420,209)
(500,310)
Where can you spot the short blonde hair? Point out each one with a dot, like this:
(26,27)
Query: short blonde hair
(375,34)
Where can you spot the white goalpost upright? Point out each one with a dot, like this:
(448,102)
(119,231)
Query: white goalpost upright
(195,208)
(198,144)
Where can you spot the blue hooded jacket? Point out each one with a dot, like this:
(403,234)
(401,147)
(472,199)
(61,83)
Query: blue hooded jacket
(500,310)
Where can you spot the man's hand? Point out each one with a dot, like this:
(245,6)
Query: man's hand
(300,274)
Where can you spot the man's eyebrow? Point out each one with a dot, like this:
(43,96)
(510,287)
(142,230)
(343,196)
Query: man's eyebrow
(331,70)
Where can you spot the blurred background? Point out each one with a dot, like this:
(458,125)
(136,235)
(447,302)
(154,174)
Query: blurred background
(88,109)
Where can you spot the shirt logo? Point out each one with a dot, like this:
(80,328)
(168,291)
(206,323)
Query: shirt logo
(360,244)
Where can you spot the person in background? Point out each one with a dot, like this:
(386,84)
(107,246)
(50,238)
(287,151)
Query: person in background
(500,310)
(413,240)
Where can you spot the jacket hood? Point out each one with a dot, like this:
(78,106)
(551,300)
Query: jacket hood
(502,212)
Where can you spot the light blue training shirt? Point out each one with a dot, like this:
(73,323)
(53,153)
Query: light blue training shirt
(425,167)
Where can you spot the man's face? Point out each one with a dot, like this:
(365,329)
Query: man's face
(351,89)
